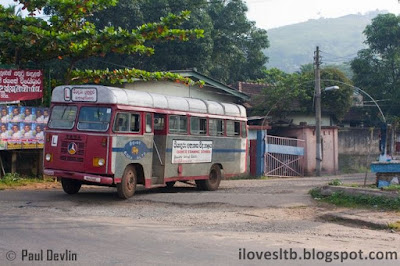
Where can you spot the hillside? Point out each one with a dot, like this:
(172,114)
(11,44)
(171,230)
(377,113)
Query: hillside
(339,40)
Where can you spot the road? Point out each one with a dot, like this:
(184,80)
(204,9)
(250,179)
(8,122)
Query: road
(182,226)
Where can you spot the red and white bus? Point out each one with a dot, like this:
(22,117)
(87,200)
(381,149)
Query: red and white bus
(120,137)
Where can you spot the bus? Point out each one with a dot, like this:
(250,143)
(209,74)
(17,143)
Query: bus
(99,135)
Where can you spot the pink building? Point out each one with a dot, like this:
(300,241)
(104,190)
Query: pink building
(329,137)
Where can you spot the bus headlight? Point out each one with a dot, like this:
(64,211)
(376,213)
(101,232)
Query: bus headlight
(48,157)
(97,162)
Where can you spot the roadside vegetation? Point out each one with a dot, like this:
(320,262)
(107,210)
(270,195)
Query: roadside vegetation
(357,201)
(10,181)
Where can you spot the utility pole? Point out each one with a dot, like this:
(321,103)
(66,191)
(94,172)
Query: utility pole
(318,156)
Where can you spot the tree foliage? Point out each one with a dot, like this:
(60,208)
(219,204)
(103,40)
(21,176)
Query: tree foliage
(377,68)
(68,35)
(289,93)
(231,49)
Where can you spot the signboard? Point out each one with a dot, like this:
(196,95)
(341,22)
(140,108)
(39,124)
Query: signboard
(20,85)
(22,127)
(80,94)
(191,151)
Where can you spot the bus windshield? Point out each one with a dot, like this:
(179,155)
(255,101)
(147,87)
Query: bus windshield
(63,117)
(94,119)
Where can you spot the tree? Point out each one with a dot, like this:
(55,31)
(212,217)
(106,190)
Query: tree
(68,35)
(230,51)
(291,93)
(377,68)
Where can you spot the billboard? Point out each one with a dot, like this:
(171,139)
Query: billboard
(19,85)
(22,127)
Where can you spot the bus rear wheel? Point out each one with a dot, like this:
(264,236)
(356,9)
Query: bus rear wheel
(170,184)
(214,178)
(127,187)
(70,186)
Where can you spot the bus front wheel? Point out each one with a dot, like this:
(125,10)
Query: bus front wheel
(127,187)
(70,186)
(214,178)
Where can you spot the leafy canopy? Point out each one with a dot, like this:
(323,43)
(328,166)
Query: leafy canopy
(230,51)
(68,35)
(377,68)
(289,93)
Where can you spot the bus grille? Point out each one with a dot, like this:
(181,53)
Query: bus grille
(77,157)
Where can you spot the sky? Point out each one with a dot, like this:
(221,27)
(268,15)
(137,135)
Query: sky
(270,14)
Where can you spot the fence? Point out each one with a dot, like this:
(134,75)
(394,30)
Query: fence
(284,157)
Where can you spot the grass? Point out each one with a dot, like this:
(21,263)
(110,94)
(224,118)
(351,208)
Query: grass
(392,188)
(357,201)
(335,182)
(15,180)
(395,226)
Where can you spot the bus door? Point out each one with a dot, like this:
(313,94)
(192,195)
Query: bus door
(159,148)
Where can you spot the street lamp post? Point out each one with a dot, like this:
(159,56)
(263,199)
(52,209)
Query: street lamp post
(372,99)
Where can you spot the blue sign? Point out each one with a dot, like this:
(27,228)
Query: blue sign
(135,150)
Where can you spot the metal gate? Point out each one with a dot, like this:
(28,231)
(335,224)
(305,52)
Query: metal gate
(284,156)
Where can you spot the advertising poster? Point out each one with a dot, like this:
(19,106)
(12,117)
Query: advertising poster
(39,136)
(42,115)
(22,127)
(14,114)
(4,114)
(28,138)
(30,114)
(4,135)
(14,141)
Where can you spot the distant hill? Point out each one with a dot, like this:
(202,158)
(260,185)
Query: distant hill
(339,40)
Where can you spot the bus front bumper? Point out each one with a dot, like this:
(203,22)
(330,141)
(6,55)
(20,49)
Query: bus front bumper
(80,176)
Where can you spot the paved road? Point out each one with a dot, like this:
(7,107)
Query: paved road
(180,226)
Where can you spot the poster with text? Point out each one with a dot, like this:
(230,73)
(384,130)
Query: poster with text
(191,151)
(19,85)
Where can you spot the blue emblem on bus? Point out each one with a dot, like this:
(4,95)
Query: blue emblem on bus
(135,150)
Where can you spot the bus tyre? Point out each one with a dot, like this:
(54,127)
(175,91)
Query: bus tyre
(214,178)
(70,186)
(170,184)
(127,187)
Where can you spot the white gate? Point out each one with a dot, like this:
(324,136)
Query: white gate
(284,157)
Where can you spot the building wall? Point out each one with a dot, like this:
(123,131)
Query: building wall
(181,90)
(357,149)
(329,136)
(299,119)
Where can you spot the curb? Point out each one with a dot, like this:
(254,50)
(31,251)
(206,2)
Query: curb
(355,220)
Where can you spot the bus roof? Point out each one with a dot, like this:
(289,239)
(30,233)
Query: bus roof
(112,95)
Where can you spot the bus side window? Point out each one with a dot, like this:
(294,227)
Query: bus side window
(159,122)
(135,123)
(198,126)
(178,124)
(244,129)
(232,128)
(121,122)
(216,127)
(149,123)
